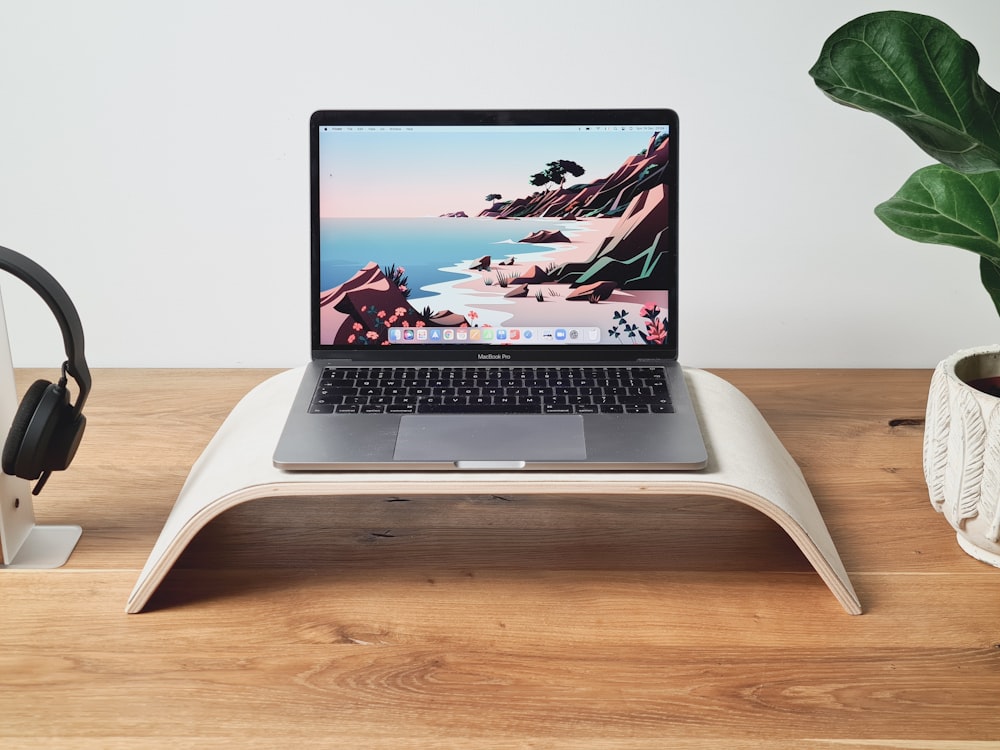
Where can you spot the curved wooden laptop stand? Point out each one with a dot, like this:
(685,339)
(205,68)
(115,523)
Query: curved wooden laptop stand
(747,463)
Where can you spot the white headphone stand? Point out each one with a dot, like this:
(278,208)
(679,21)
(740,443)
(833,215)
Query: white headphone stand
(25,544)
(747,463)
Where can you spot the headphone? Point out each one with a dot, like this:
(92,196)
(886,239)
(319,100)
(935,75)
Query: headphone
(46,429)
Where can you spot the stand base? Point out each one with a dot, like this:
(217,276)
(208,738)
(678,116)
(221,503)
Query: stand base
(747,463)
(26,545)
(45,547)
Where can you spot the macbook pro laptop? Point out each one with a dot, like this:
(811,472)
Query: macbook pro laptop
(493,290)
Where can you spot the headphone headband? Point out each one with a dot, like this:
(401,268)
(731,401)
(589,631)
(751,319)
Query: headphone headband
(62,307)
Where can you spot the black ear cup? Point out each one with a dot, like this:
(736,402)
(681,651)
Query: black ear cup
(19,427)
(44,434)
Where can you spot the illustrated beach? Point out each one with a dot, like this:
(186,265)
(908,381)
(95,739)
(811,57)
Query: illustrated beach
(485,293)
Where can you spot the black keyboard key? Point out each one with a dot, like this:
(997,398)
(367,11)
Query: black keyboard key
(401,409)
(557,409)
(633,400)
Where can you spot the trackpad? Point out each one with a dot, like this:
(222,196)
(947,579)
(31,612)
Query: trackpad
(497,437)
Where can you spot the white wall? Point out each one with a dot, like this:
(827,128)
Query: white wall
(153,156)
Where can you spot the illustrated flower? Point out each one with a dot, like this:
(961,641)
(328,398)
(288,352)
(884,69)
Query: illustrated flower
(420,324)
(372,335)
(655,332)
(650,311)
(350,339)
(473,315)
(357,327)
(381,314)
(400,311)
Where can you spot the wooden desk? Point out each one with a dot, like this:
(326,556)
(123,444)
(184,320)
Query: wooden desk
(478,622)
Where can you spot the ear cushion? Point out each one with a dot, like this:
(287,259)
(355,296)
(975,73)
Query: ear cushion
(19,427)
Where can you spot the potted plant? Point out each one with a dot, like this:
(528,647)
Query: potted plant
(919,74)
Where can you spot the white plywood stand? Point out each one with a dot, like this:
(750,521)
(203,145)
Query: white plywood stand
(747,463)
(25,544)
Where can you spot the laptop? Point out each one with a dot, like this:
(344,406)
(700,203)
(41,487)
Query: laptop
(493,290)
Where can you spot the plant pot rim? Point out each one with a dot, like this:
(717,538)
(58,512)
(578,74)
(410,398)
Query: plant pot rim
(974,363)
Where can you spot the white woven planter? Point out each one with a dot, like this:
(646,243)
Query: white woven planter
(962,450)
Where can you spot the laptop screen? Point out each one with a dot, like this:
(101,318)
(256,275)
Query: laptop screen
(489,229)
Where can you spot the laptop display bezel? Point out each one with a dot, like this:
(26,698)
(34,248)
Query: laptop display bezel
(603,353)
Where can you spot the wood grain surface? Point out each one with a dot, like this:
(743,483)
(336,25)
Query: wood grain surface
(503,621)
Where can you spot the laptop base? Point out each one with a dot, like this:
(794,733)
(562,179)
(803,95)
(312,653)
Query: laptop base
(747,463)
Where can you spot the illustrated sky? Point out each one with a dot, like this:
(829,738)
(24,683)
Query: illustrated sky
(370,174)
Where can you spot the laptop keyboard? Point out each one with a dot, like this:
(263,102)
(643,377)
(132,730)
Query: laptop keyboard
(487,390)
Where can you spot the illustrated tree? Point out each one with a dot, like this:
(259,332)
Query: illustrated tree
(494,197)
(555,172)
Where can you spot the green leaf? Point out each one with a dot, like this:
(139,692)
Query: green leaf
(945,207)
(989,273)
(919,74)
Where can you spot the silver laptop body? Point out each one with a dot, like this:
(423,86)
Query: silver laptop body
(493,290)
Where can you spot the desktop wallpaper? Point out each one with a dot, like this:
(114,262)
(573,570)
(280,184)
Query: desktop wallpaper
(513,235)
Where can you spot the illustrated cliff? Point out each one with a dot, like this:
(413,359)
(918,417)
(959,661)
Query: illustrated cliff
(630,256)
(604,198)
(363,308)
